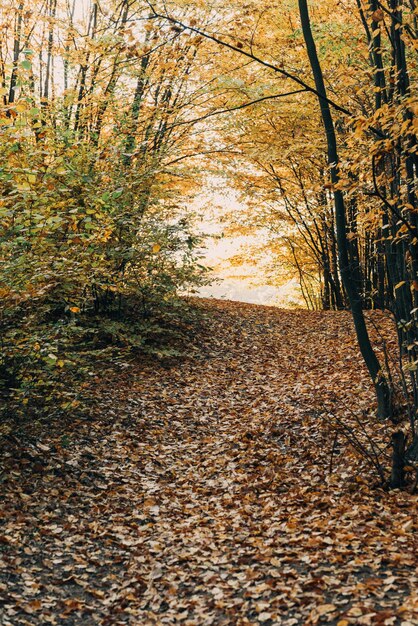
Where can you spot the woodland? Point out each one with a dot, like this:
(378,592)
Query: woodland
(171,459)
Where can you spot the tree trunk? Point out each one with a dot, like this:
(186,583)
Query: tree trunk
(397,479)
(382,389)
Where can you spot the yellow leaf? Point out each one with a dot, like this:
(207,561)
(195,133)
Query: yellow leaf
(3,91)
(5,121)
(75,309)
(23,186)
(399,284)
(156,248)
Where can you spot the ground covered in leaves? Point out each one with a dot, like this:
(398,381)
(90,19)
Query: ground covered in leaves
(213,490)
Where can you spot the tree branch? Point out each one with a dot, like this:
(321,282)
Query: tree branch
(236,108)
(250,55)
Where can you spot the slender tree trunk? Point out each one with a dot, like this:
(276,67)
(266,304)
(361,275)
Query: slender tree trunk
(380,383)
(48,71)
(16,53)
(397,479)
(136,106)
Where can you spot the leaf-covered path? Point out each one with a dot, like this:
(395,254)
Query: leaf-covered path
(204,493)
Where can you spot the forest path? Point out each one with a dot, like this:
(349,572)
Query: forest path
(202,495)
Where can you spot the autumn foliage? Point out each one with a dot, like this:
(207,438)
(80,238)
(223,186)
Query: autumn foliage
(95,237)
(172,461)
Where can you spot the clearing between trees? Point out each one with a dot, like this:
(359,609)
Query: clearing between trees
(218,488)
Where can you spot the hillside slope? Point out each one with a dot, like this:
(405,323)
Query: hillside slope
(213,490)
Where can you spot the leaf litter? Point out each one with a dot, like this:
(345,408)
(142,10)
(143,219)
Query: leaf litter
(203,491)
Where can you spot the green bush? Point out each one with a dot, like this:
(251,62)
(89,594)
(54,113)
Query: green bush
(86,264)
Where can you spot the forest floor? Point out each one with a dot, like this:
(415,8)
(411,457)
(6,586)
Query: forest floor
(205,491)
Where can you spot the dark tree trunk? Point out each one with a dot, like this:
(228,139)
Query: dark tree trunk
(397,479)
(380,383)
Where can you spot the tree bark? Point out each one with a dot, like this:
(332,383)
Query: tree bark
(397,479)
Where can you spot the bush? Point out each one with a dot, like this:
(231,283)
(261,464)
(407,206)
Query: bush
(85,265)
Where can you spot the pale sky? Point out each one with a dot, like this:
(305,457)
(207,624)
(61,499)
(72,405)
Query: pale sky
(245,282)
